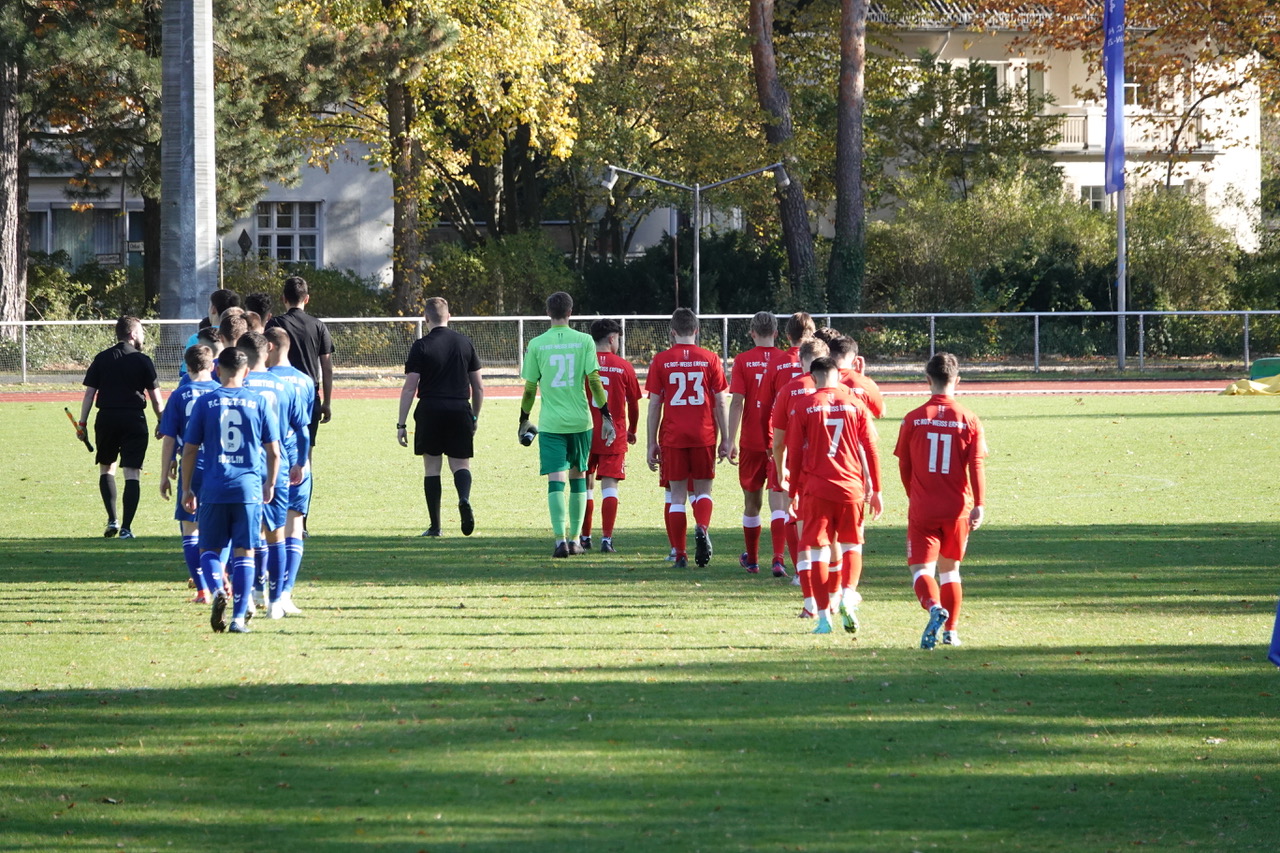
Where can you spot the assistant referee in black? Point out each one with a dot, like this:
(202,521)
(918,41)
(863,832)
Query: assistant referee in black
(121,379)
(443,371)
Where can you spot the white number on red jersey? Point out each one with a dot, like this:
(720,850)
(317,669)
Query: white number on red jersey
(837,430)
(684,395)
(939,445)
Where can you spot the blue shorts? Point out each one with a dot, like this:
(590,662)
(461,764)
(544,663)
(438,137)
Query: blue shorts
(238,523)
(300,496)
(275,513)
(180,514)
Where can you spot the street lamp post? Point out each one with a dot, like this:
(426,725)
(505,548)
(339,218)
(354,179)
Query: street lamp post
(611,178)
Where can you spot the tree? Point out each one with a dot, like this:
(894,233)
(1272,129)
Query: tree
(847,262)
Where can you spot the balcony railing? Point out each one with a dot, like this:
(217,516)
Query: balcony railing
(1086,131)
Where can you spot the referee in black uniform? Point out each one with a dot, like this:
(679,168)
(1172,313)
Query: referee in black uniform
(121,379)
(310,347)
(443,371)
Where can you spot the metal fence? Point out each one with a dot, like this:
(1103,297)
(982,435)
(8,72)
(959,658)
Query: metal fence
(370,347)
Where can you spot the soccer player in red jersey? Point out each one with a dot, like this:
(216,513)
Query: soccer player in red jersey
(940,453)
(687,392)
(787,449)
(608,462)
(782,530)
(749,413)
(841,467)
(845,352)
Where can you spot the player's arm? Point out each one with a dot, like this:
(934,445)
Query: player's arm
(477,393)
(653,456)
(736,403)
(633,407)
(407,392)
(326,388)
(272,450)
(526,404)
(903,452)
(190,452)
(779,455)
(869,455)
(978,483)
(86,405)
(301,425)
(600,398)
(719,409)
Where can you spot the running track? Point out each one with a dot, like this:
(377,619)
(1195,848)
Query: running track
(997,388)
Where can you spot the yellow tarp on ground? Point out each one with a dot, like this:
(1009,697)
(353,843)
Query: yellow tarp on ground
(1270,385)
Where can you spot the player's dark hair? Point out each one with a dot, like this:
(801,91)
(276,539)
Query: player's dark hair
(436,309)
(232,359)
(684,322)
(254,319)
(198,357)
(604,327)
(764,324)
(826,334)
(799,327)
(278,337)
(255,346)
(942,369)
(813,348)
(822,365)
(221,300)
(231,328)
(841,348)
(295,290)
(126,326)
(208,336)
(259,303)
(559,305)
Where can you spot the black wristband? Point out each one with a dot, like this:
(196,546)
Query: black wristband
(604,411)
(402,426)
(524,416)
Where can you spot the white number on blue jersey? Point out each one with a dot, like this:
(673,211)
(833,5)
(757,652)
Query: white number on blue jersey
(230,425)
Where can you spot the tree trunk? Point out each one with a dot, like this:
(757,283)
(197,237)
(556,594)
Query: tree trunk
(13,280)
(774,99)
(151,231)
(406,280)
(848,259)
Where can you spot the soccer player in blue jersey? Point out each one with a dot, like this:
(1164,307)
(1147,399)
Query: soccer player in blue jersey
(234,432)
(299,493)
(173,422)
(271,558)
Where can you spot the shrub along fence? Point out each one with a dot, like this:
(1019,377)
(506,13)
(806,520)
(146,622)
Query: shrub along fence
(377,346)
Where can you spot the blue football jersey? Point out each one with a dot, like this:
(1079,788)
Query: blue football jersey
(284,402)
(230,425)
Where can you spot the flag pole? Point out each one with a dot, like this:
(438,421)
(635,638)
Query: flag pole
(1113,28)
(1122,270)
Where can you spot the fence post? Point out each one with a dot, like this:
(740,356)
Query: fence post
(724,338)
(419,327)
(1142,341)
(1246,340)
(622,344)
(520,346)
(23,335)
(1036,337)
(932,333)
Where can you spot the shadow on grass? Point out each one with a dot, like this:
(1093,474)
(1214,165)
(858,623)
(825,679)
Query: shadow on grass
(1034,749)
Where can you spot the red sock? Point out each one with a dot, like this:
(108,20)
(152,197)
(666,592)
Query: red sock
(666,522)
(751,541)
(851,569)
(926,588)
(586,519)
(778,535)
(806,583)
(678,529)
(702,511)
(952,596)
(793,540)
(608,515)
(821,584)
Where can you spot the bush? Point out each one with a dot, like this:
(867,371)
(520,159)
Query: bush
(334,292)
(507,276)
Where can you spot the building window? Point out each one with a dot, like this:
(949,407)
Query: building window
(38,231)
(289,231)
(1094,197)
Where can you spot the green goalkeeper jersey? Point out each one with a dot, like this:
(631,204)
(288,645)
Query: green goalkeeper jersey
(560,360)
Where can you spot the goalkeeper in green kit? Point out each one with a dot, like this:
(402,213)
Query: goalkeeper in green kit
(562,363)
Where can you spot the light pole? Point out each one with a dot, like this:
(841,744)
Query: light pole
(780,176)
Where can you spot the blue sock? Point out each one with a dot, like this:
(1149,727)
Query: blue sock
(260,567)
(277,570)
(225,554)
(293,556)
(241,580)
(211,568)
(191,553)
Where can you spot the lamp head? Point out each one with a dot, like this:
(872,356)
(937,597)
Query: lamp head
(610,177)
(780,178)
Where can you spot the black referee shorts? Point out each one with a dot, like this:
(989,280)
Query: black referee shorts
(121,433)
(443,428)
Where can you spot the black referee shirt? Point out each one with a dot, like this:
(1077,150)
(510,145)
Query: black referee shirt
(309,339)
(443,361)
(122,376)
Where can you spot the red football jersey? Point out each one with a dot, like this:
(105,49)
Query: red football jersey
(780,372)
(835,427)
(940,451)
(789,399)
(623,389)
(865,389)
(750,369)
(687,378)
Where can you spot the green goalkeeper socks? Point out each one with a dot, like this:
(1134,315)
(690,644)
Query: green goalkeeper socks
(577,505)
(556,505)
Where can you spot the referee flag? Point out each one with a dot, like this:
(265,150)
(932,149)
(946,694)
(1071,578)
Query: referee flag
(1113,70)
(1274,654)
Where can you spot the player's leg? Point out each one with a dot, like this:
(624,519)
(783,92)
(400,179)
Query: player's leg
(461,469)
(849,534)
(584,535)
(675,463)
(923,544)
(133,452)
(666,516)
(955,539)
(191,556)
(293,549)
(431,467)
(451,433)
(750,477)
(246,522)
(106,435)
(608,512)
(703,470)
(215,530)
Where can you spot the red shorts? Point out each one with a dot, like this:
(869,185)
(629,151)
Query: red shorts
(930,538)
(688,463)
(824,521)
(753,469)
(612,465)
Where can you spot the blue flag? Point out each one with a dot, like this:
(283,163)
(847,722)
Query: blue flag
(1273,654)
(1113,70)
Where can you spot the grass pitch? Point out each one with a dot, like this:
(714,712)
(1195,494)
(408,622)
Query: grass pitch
(472,693)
